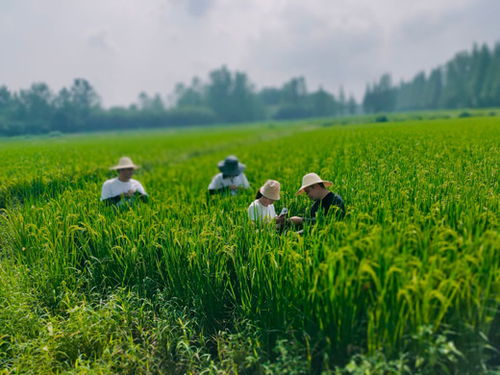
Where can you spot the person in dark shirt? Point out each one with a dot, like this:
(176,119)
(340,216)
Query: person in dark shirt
(324,199)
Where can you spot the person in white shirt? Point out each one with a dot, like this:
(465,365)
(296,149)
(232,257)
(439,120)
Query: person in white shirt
(123,189)
(261,210)
(231,178)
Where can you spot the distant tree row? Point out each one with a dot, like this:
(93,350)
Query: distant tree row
(226,97)
(469,80)
(38,110)
(232,98)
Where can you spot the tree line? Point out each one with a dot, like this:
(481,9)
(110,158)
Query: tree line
(470,80)
(226,97)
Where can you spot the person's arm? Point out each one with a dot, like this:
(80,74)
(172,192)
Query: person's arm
(140,193)
(140,189)
(142,197)
(339,208)
(216,185)
(245,182)
(112,200)
(334,206)
(279,220)
(297,220)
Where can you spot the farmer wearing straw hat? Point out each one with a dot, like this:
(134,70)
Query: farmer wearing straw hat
(261,210)
(123,188)
(315,188)
(231,177)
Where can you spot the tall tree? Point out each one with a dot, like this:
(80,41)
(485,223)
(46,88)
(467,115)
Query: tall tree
(467,80)
(323,103)
(73,106)
(434,89)
(342,102)
(219,92)
(34,108)
(190,96)
(294,100)
(490,92)
(352,106)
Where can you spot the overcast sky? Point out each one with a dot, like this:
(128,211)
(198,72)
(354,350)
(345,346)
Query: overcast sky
(126,46)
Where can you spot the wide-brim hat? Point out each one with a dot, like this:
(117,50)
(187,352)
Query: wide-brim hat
(124,163)
(231,166)
(312,179)
(271,190)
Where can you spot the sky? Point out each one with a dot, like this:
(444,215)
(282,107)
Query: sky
(123,47)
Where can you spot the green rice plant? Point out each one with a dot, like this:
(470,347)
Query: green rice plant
(418,246)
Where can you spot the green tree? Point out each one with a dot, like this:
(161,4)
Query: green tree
(490,92)
(481,61)
(342,102)
(192,96)
(434,89)
(294,100)
(322,103)
(74,106)
(352,105)
(219,92)
(35,108)
(232,96)
(381,96)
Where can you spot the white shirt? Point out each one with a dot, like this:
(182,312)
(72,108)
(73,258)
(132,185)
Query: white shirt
(113,187)
(218,182)
(256,211)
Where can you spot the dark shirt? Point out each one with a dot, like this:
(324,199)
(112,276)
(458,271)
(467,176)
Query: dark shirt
(329,200)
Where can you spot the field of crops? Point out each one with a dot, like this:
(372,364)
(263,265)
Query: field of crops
(407,283)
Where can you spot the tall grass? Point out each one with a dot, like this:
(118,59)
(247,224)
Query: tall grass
(419,246)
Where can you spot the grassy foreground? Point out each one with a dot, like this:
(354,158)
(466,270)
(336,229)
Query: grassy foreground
(407,283)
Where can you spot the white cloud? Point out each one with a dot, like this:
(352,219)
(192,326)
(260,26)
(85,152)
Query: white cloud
(125,46)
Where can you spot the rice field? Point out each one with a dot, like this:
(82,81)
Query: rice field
(407,283)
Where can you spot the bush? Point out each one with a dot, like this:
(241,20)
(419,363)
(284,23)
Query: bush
(381,118)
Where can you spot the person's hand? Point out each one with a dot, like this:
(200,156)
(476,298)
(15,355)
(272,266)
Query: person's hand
(130,193)
(233,187)
(296,220)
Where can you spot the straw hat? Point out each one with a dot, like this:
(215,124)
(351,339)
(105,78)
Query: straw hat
(271,190)
(312,179)
(124,163)
(231,166)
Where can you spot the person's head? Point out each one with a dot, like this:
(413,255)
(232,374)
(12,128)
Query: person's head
(231,167)
(125,168)
(315,191)
(269,193)
(314,186)
(125,174)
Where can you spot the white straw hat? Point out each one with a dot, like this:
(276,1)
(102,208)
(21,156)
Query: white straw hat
(271,190)
(312,179)
(124,163)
